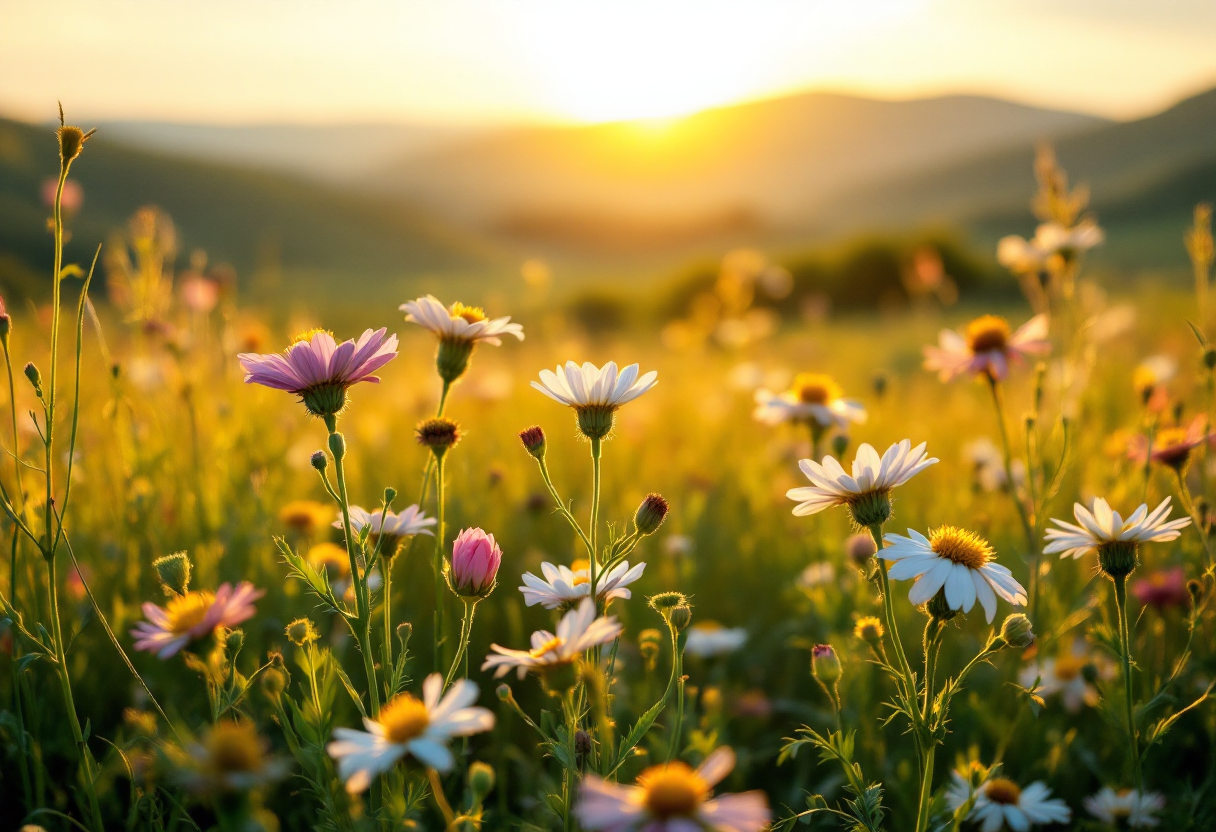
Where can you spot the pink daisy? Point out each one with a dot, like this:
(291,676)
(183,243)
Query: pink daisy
(986,347)
(193,616)
(319,370)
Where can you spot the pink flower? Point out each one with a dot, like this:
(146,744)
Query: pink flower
(475,561)
(318,370)
(200,294)
(193,616)
(986,347)
(1162,589)
(1171,446)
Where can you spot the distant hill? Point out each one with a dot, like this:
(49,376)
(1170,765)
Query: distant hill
(766,164)
(1142,173)
(311,233)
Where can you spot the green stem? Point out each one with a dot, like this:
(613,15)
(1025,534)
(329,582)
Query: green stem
(387,568)
(595,515)
(1125,657)
(561,507)
(359,580)
(932,645)
(1188,505)
(1032,548)
(926,790)
(466,633)
(437,557)
(1148,457)
(889,612)
(674,749)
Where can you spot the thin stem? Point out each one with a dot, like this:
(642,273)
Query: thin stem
(1125,650)
(437,557)
(561,507)
(926,790)
(466,632)
(595,514)
(998,401)
(1188,504)
(674,749)
(932,645)
(387,569)
(359,580)
(889,610)
(440,798)
(1148,457)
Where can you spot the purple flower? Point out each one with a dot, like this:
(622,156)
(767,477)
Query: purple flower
(319,370)
(475,561)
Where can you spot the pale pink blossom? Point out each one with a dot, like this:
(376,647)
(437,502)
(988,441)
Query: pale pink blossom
(987,347)
(193,616)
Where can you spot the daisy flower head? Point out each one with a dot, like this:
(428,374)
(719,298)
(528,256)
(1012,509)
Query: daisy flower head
(564,588)
(595,393)
(1170,446)
(304,517)
(1151,378)
(1068,243)
(1138,809)
(1117,541)
(672,798)
(1021,256)
(319,370)
(813,398)
(193,616)
(459,328)
(393,527)
(1069,675)
(1001,803)
(867,491)
(958,564)
(230,757)
(986,348)
(556,655)
(420,728)
(709,638)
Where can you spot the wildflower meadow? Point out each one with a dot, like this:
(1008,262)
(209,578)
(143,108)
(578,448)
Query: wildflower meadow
(439,566)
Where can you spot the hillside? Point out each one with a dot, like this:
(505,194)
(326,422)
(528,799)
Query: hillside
(312,234)
(764,164)
(1150,171)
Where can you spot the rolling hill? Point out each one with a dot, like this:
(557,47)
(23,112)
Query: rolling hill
(316,235)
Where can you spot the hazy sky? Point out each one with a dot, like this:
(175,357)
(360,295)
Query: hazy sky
(578,60)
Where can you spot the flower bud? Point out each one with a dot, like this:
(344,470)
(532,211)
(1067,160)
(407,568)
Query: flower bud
(273,683)
(939,608)
(869,629)
(174,573)
(860,548)
(481,780)
(318,460)
(337,445)
(680,617)
(534,441)
(404,631)
(301,632)
(582,745)
(825,664)
(1017,631)
(475,561)
(840,444)
(35,377)
(390,494)
(1194,588)
(71,141)
(503,692)
(1209,358)
(650,641)
(664,601)
(650,514)
(6,323)
(438,434)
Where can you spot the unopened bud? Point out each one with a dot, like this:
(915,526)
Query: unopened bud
(404,631)
(71,141)
(840,444)
(680,617)
(650,514)
(869,629)
(825,664)
(390,494)
(1017,631)
(666,600)
(318,460)
(35,377)
(650,641)
(174,573)
(503,692)
(582,744)
(337,445)
(534,441)
(1209,358)
(481,780)
(1194,588)
(273,683)
(860,548)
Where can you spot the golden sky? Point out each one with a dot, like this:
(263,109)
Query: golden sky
(583,60)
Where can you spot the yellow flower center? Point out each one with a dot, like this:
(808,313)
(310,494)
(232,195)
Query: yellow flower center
(868,628)
(988,332)
(673,791)
(1144,380)
(1067,668)
(709,626)
(187,611)
(233,747)
(404,718)
(581,579)
(961,546)
(332,558)
(472,314)
(1003,791)
(550,646)
(303,515)
(815,388)
(308,334)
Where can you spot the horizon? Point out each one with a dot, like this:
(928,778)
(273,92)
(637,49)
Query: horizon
(469,63)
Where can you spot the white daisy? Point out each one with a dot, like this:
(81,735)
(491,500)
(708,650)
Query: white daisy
(591,386)
(458,322)
(563,588)
(709,638)
(958,561)
(816,574)
(812,397)
(1000,803)
(1021,256)
(672,798)
(1053,238)
(869,487)
(1102,527)
(409,522)
(1064,675)
(578,631)
(406,725)
(1139,810)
